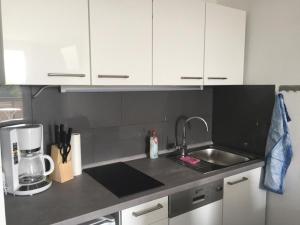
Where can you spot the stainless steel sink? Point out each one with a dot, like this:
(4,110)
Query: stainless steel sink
(218,157)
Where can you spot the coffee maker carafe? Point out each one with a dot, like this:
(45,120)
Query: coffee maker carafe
(24,160)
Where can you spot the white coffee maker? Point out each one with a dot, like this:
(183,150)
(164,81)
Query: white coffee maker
(23,159)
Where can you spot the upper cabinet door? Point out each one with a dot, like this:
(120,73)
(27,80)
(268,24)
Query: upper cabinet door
(121,42)
(224,45)
(46,42)
(178,42)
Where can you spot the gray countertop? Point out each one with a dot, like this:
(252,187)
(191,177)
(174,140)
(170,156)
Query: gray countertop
(83,199)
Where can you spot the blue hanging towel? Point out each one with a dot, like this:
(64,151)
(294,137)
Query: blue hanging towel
(278,149)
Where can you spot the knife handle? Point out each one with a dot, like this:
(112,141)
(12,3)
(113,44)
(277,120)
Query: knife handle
(68,139)
(61,133)
(63,138)
(61,128)
(56,135)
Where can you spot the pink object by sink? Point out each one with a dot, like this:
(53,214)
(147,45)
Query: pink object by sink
(189,160)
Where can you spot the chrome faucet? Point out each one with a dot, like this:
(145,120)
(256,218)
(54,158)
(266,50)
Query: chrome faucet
(183,148)
(179,121)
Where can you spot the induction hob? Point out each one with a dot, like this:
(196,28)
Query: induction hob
(122,180)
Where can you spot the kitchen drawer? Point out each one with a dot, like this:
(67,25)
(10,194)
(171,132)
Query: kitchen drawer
(146,213)
(108,220)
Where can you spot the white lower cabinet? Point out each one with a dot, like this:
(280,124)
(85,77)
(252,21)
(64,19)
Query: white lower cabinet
(161,222)
(244,203)
(150,213)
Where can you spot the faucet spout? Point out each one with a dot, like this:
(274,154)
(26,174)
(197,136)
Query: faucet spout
(198,118)
(184,145)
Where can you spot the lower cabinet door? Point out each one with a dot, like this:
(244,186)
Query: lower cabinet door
(161,222)
(153,212)
(244,203)
(210,214)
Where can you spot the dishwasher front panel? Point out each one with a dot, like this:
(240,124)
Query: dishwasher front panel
(210,214)
(185,201)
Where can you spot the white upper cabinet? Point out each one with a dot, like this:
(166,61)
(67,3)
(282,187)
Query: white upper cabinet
(46,42)
(121,42)
(224,45)
(129,42)
(178,42)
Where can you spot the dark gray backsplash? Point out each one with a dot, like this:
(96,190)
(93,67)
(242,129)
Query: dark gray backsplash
(114,125)
(242,116)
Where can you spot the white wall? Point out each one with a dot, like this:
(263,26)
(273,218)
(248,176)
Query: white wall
(272,40)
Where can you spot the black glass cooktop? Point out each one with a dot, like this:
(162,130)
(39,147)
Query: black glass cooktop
(122,180)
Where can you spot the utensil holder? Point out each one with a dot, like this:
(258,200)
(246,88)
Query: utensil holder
(62,171)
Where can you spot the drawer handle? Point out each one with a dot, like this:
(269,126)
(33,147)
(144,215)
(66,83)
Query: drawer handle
(238,181)
(199,199)
(191,78)
(65,75)
(99,221)
(114,76)
(146,211)
(217,78)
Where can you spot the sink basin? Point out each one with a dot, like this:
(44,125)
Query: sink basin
(218,157)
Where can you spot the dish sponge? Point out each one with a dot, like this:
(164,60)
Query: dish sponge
(189,160)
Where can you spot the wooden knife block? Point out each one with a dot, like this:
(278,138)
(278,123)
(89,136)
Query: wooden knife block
(62,171)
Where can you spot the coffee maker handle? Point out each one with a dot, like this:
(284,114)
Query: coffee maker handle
(46,173)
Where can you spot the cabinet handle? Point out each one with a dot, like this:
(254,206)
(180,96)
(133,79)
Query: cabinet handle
(217,78)
(113,76)
(199,199)
(191,78)
(146,211)
(238,181)
(65,75)
(98,221)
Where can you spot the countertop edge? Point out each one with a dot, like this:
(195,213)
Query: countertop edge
(130,203)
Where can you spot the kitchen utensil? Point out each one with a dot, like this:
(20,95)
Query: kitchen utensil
(65,152)
(32,168)
(66,144)
(62,141)
(68,139)
(56,135)
(61,144)
(23,151)
(61,130)
(62,171)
